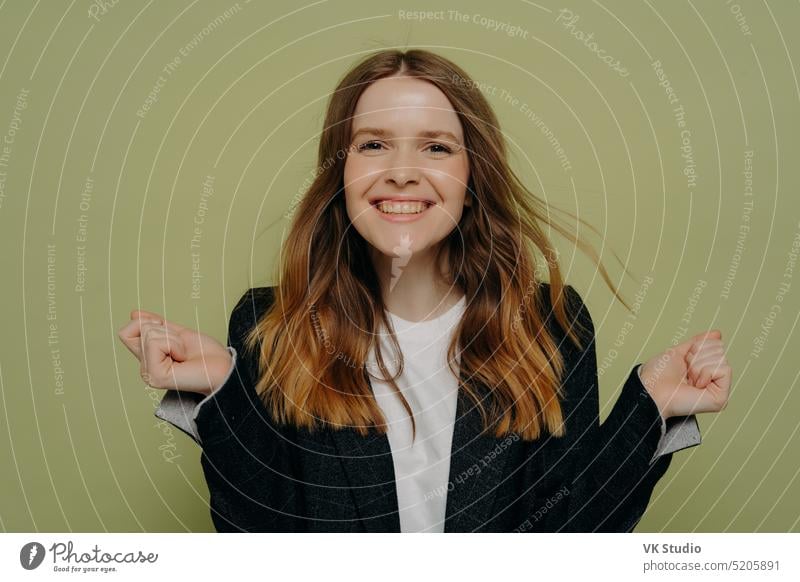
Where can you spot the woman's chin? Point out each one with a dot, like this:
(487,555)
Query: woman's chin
(401,249)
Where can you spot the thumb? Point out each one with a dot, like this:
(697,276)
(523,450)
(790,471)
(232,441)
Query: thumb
(689,399)
(177,349)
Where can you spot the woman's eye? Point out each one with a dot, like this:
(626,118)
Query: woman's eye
(370,146)
(439,149)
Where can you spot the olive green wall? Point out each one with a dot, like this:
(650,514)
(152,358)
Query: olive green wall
(128,126)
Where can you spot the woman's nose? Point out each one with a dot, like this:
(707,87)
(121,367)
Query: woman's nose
(404,168)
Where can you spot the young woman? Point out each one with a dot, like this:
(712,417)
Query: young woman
(410,372)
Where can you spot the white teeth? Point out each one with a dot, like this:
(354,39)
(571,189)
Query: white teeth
(402,207)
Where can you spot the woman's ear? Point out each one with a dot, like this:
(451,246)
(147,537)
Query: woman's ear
(468,199)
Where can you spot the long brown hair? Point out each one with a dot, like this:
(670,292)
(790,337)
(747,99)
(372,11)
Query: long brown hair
(315,338)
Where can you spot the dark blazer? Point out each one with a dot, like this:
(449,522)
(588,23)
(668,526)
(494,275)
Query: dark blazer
(266,478)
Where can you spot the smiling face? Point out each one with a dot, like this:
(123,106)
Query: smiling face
(407,170)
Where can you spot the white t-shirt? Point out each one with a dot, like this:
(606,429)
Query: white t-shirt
(421,468)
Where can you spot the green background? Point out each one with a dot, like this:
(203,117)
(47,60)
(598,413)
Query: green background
(245,105)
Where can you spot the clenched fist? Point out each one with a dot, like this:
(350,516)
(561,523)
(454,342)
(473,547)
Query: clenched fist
(174,357)
(691,377)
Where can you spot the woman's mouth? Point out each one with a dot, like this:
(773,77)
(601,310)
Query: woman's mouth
(401,211)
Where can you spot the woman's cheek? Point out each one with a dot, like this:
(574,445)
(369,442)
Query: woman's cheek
(356,172)
(351,176)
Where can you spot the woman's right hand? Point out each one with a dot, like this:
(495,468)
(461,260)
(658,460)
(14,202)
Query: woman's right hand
(175,357)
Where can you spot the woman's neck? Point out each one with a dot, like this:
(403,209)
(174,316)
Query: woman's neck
(415,289)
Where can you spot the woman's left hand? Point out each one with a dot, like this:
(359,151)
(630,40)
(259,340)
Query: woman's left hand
(691,377)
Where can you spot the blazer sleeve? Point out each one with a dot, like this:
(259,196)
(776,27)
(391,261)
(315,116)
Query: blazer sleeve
(611,468)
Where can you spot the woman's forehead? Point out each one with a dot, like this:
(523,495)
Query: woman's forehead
(404,102)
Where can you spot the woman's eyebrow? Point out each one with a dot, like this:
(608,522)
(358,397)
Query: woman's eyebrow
(429,133)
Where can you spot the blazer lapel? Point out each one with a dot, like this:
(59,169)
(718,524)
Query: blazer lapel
(477,465)
(367,462)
